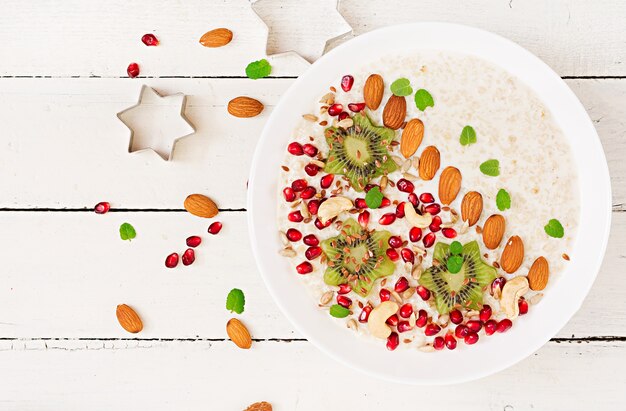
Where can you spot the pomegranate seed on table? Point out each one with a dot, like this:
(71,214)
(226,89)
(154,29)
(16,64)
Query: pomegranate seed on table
(344,301)
(295,216)
(343,115)
(433,209)
(401,285)
(393,320)
(327,180)
(385,203)
(189,256)
(360,203)
(461,331)
(344,288)
(415,234)
(400,210)
(392,254)
(387,219)
(395,241)
(450,341)
(456,317)
(310,150)
(320,226)
(299,185)
(308,193)
(429,240)
(335,109)
(504,325)
(404,326)
(448,232)
(171,260)
(423,292)
(413,199)
(384,294)
(432,329)
(471,338)
(304,268)
(406,310)
(311,169)
(346,82)
(427,198)
(215,228)
(523,306)
(368,187)
(312,253)
(490,327)
(474,325)
(498,283)
(102,207)
(407,255)
(150,40)
(313,206)
(364,218)
(193,241)
(405,185)
(311,240)
(289,194)
(294,235)
(295,148)
(485,313)
(356,107)
(439,343)
(422,318)
(393,341)
(133,70)
(365,314)
(435,225)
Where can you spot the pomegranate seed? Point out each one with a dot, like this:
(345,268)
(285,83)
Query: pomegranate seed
(343,115)
(368,187)
(335,109)
(295,216)
(320,226)
(289,194)
(475,325)
(310,150)
(365,314)
(295,148)
(504,325)
(450,341)
(448,232)
(189,256)
(102,208)
(429,240)
(433,209)
(344,288)
(423,292)
(346,82)
(311,169)
(456,317)
(498,283)
(312,253)
(133,70)
(400,210)
(405,185)
(360,203)
(384,294)
(304,267)
(395,241)
(393,320)
(294,235)
(215,228)
(432,329)
(404,326)
(385,203)
(193,241)
(392,254)
(407,255)
(523,306)
(387,219)
(435,225)
(299,185)
(344,301)
(311,240)
(401,285)
(490,327)
(327,180)
(471,338)
(356,107)
(150,40)
(413,199)
(171,260)
(393,341)
(427,198)
(364,218)
(485,313)
(313,206)
(415,234)
(406,310)
(461,331)
(422,318)
(439,343)
(308,193)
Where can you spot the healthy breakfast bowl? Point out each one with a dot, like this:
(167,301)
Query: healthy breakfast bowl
(429,203)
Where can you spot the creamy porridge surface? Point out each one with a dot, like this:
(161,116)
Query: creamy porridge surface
(512,125)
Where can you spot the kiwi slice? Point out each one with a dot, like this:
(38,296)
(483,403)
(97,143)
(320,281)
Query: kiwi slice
(357,257)
(463,289)
(360,152)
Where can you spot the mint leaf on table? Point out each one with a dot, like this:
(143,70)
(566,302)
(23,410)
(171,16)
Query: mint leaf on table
(235,301)
(401,87)
(374,198)
(554,229)
(423,99)
(338,311)
(503,200)
(454,264)
(490,168)
(468,136)
(127,232)
(258,69)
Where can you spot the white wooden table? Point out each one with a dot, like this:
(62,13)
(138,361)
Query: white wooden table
(63,269)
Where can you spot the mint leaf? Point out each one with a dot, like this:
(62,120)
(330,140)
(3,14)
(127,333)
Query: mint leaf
(503,200)
(456,248)
(468,136)
(454,264)
(127,232)
(554,229)
(235,301)
(258,69)
(401,87)
(423,99)
(338,311)
(374,198)
(490,168)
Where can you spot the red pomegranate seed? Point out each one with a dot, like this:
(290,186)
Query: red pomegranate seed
(393,320)
(343,115)
(368,187)
(392,254)
(320,226)
(406,310)
(102,208)
(490,327)
(308,193)
(344,288)
(504,325)
(304,268)
(133,70)
(313,206)
(387,219)
(432,329)
(415,234)
(193,241)
(395,241)
(311,240)
(407,255)
(294,235)
(401,285)
(215,228)
(327,180)
(475,325)
(150,40)
(405,185)
(427,198)
(422,318)
(356,107)
(461,331)
(523,306)
(385,203)
(404,326)
(335,109)
(413,199)
(423,292)
(365,314)
(295,148)
(448,232)
(429,240)
(310,150)
(171,260)
(295,216)
(450,341)
(289,194)
(189,256)
(311,169)
(433,209)
(471,338)
(439,343)
(384,294)
(435,225)
(393,341)
(360,203)
(456,317)
(400,210)
(344,301)
(299,185)
(485,313)
(312,253)
(498,283)
(346,82)
(364,218)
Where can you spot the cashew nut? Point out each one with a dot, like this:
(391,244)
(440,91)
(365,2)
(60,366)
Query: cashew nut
(378,317)
(511,293)
(332,207)
(414,219)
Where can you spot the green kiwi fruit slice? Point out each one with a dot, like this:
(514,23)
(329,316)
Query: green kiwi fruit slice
(357,257)
(463,289)
(360,152)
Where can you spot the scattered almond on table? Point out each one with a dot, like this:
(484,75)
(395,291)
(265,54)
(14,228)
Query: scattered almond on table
(128,319)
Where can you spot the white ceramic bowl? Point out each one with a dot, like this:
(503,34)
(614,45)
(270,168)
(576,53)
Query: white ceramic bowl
(491,354)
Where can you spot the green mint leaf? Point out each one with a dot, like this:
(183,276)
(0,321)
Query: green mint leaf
(423,99)
(503,200)
(374,198)
(468,136)
(456,248)
(454,264)
(258,69)
(235,301)
(338,311)
(401,87)
(127,232)
(490,168)
(554,229)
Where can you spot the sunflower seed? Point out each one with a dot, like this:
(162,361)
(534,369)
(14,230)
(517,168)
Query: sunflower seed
(310,117)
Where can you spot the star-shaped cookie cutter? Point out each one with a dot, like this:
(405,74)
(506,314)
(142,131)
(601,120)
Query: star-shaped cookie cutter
(148,93)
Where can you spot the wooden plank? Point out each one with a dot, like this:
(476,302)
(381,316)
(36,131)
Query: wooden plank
(75,124)
(64,273)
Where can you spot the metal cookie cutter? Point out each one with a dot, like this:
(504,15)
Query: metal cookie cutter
(156,123)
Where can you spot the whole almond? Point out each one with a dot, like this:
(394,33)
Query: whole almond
(128,319)
(216,38)
(538,274)
(238,333)
(245,107)
(449,184)
(412,136)
(201,206)
(373,91)
(472,207)
(512,255)
(260,406)
(394,112)
(429,163)
(493,231)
